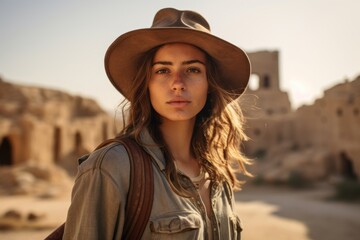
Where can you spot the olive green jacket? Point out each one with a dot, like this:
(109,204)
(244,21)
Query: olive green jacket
(100,191)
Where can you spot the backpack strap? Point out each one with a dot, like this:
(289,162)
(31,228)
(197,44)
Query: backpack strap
(141,191)
(57,234)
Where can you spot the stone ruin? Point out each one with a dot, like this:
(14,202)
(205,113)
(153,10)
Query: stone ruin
(320,141)
(42,133)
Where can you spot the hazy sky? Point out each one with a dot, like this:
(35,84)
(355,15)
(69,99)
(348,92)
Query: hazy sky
(61,44)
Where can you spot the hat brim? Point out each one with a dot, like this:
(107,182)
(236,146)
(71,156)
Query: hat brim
(123,55)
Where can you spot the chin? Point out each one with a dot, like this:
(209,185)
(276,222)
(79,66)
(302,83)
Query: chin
(178,118)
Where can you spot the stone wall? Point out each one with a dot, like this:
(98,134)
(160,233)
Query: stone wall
(45,126)
(320,140)
(333,123)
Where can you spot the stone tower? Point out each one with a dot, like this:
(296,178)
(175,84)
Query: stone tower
(265,68)
(265,65)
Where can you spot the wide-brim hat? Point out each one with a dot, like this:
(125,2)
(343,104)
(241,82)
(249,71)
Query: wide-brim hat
(174,26)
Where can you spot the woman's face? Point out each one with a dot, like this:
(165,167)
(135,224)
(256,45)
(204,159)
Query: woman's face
(178,84)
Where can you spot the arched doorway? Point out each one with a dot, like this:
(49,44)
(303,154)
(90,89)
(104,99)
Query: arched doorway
(266,81)
(6,152)
(347,167)
(57,143)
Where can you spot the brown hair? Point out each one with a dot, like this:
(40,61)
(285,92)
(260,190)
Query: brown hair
(218,131)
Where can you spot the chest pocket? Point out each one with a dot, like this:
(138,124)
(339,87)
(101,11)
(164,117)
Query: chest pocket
(177,225)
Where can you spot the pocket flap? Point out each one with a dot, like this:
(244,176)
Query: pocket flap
(175,222)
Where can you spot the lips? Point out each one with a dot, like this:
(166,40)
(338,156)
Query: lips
(178,102)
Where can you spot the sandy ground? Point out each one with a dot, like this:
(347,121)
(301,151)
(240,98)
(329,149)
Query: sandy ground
(283,214)
(266,213)
(55,211)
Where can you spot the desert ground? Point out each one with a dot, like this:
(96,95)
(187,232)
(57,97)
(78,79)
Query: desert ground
(266,213)
(285,214)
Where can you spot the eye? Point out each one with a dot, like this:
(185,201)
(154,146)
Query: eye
(193,70)
(162,71)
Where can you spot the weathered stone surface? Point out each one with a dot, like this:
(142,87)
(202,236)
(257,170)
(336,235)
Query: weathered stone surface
(320,140)
(47,127)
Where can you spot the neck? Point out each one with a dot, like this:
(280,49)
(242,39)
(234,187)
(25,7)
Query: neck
(177,135)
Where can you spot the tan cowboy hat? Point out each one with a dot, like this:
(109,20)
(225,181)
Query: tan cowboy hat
(171,25)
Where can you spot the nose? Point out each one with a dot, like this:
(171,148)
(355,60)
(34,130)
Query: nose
(178,84)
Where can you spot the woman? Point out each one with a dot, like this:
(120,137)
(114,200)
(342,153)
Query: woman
(181,83)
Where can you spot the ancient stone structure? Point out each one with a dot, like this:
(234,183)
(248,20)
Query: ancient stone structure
(46,126)
(267,107)
(332,125)
(318,141)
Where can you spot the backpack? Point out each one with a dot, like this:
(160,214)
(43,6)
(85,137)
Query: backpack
(141,191)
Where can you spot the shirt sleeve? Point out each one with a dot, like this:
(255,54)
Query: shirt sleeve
(99,196)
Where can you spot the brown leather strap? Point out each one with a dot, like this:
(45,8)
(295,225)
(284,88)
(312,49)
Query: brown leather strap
(141,189)
(141,192)
(57,234)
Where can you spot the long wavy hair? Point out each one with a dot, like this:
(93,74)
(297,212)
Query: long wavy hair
(218,132)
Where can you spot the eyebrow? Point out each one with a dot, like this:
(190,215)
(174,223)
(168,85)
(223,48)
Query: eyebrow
(183,63)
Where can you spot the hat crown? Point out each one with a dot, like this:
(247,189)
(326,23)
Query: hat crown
(173,18)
